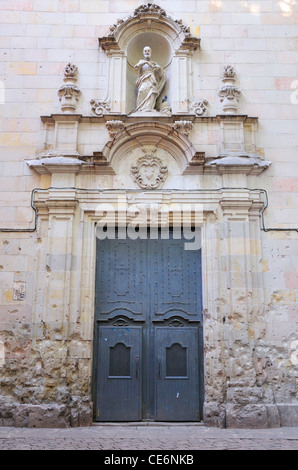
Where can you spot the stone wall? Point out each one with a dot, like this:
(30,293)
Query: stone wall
(250,275)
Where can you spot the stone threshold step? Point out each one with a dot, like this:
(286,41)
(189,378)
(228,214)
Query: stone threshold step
(149,423)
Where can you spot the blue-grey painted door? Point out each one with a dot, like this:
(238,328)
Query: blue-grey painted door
(177,385)
(148,321)
(119,390)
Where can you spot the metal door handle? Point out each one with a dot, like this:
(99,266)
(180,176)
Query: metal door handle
(137,367)
(158,368)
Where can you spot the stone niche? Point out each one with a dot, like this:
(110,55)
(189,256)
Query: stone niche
(172,48)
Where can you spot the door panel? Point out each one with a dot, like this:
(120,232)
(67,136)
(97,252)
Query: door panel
(148,317)
(119,377)
(119,278)
(177,383)
(177,279)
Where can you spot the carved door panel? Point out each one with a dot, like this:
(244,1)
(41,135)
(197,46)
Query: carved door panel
(177,280)
(119,379)
(120,276)
(148,317)
(177,384)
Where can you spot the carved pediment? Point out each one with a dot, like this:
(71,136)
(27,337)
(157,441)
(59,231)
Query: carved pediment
(144,15)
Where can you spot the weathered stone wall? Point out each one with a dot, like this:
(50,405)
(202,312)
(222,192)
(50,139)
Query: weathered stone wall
(250,281)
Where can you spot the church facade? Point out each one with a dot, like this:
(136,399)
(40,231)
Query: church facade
(149,223)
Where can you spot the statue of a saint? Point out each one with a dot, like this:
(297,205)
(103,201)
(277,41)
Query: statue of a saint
(150,81)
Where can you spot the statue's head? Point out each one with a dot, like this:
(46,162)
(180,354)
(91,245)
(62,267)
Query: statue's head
(147,52)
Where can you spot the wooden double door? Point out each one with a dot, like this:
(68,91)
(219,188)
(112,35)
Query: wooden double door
(148,362)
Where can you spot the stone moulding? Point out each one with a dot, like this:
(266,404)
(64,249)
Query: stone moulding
(152,133)
(55,164)
(237,162)
(169,133)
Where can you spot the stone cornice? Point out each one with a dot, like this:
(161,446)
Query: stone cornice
(235,204)
(126,118)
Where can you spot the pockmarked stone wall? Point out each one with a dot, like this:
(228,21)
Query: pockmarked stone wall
(48,206)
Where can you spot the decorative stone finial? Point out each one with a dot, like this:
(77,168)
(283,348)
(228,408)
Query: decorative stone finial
(229,94)
(229,71)
(70,71)
(69,93)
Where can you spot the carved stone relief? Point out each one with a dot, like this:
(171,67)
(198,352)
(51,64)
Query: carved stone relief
(198,107)
(183,126)
(114,127)
(150,171)
(100,107)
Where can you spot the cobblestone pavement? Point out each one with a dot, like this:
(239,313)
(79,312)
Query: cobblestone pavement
(148,437)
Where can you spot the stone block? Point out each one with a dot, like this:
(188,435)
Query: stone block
(69,5)
(47,416)
(248,416)
(93,6)
(273,416)
(214,414)
(84,31)
(244,396)
(24,5)
(22,68)
(81,414)
(288,414)
(6,412)
(21,416)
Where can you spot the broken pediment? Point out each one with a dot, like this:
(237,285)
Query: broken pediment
(146,18)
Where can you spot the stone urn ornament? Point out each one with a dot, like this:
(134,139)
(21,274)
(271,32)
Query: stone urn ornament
(229,94)
(69,93)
